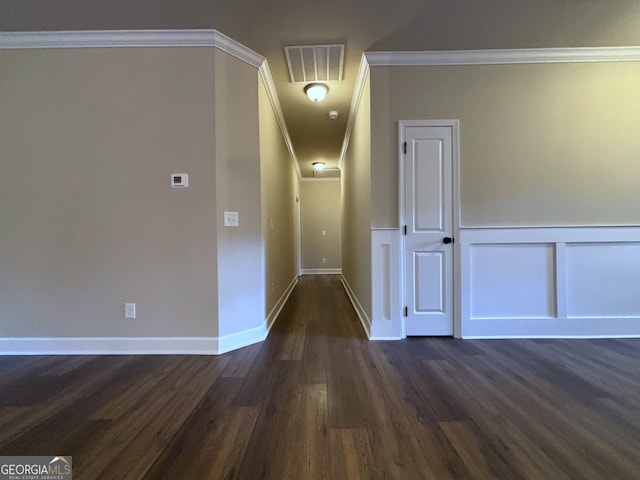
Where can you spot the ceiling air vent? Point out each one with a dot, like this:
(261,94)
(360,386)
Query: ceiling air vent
(315,63)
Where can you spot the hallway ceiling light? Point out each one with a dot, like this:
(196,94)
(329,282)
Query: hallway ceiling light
(316,91)
(317,166)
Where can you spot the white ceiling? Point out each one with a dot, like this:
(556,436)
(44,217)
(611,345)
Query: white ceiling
(267,26)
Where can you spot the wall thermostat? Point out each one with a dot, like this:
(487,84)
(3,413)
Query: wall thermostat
(179,180)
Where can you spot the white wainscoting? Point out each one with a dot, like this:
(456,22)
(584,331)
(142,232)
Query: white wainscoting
(387,322)
(550,282)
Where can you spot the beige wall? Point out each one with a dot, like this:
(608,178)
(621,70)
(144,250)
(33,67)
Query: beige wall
(280,192)
(357,207)
(89,138)
(240,253)
(320,208)
(552,144)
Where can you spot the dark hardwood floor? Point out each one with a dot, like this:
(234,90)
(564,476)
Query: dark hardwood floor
(318,401)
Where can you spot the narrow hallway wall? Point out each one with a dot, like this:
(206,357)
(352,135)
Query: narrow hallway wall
(321,226)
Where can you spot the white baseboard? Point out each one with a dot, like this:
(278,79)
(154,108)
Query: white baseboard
(144,345)
(548,337)
(109,346)
(321,271)
(277,308)
(613,327)
(242,339)
(132,345)
(362,315)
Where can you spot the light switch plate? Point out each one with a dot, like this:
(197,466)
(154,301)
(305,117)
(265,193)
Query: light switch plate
(231,219)
(129,310)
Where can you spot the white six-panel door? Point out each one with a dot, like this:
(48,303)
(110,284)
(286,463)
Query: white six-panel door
(428,212)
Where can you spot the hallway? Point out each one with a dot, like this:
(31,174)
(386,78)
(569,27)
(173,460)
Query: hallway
(318,401)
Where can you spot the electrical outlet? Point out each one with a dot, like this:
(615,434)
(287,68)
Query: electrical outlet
(324,260)
(129,310)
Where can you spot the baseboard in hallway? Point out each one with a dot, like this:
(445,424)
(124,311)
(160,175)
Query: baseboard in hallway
(321,271)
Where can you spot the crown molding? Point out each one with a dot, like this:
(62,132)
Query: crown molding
(229,45)
(358,89)
(267,80)
(155,38)
(504,57)
(129,38)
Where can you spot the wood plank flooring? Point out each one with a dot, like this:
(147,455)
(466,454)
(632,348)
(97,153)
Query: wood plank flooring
(318,401)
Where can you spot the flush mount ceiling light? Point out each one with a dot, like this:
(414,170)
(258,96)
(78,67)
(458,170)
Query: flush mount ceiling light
(317,166)
(316,91)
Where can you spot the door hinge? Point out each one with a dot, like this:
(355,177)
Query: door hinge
(405,148)
(406,311)
(405,229)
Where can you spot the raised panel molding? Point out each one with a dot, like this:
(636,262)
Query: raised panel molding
(603,280)
(387,322)
(521,275)
(550,282)
(429,265)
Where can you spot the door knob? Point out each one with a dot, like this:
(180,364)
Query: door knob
(447,240)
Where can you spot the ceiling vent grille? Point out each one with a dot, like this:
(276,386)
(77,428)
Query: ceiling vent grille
(315,63)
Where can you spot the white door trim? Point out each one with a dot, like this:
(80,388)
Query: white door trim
(457,286)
